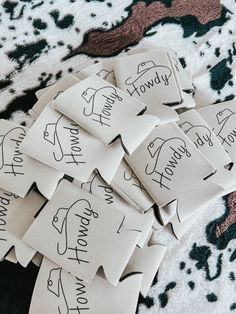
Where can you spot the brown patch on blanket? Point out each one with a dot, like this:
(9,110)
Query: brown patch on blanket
(231,218)
(106,43)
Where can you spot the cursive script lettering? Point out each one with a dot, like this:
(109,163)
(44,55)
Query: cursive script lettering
(82,237)
(4,203)
(229,139)
(166,174)
(76,152)
(15,166)
(108,193)
(202,140)
(139,89)
(104,116)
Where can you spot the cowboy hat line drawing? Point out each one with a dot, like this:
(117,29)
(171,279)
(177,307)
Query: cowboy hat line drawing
(143,68)
(2,139)
(103,74)
(155,147)
(90,182)
(60,223)
(55,286)
(187,126)
(50,135)
(89,96)
(133,176)
(223,117)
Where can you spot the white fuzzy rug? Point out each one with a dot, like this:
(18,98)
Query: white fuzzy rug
(42,41)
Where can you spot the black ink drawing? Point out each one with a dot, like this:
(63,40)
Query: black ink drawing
(131,176)
(90,183)
(60,92)
(5,203)
(83,211)
(106,75)
(97,183)
(199,134)
(50,135)
(165,156)
(55,286)
(11,162)
(223,116)
(100,103)
(227,127)
(156,74)
(74,151)
(60,224)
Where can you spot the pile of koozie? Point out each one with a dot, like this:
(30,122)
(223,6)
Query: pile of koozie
(107,164)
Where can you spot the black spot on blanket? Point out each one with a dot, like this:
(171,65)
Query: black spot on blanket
(5,83)
(233,306)
(39,24)
(201,254)
(65,22)
(163,297)
(220,74)
(148,301)
(10,8)
(211,297)
(191,285)
(25,101)
(28,52)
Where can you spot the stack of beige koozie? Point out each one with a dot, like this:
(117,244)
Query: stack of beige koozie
(107,164)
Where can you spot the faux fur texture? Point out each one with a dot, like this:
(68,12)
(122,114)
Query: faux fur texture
(42,41)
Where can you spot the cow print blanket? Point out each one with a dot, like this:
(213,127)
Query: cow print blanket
(42,41)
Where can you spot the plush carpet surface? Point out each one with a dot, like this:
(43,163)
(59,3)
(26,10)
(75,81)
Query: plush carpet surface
(42,41)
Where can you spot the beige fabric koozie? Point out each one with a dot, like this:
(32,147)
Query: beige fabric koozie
(16,215)
(60,143)
(135,220)
(150,78)
(81,233)
(222,119)
(200,133)
(164,164)
(126,183)
(106,112)
(18,172)
(146,260)
(183,77)
(103,69)
(57,291)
